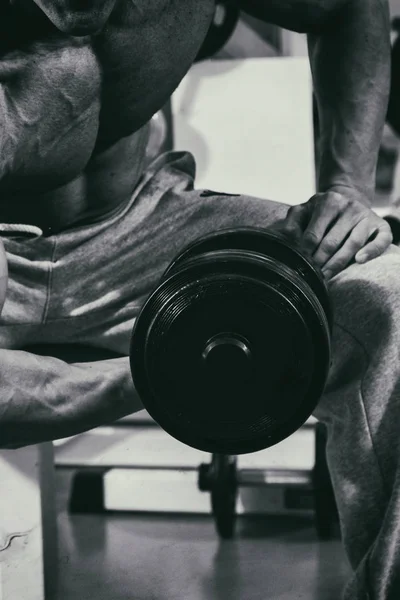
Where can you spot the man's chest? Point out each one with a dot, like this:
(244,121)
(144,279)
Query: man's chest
(144,51)
(130,68)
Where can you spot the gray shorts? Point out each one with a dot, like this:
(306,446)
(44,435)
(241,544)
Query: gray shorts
(86,285)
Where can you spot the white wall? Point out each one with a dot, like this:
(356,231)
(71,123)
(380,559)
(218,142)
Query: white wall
(395,7)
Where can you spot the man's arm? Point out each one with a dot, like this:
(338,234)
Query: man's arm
(43,398)
(351,71)
(349,49)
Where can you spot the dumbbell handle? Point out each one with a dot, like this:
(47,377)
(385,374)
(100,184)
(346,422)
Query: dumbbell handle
(262,477)
(258,478)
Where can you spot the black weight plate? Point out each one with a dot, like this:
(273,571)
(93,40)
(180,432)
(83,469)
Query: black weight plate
(174,352)
(326,513)
(233,410)
(220,31)
(266,242)
(224,494)
(393,110)
(293,277)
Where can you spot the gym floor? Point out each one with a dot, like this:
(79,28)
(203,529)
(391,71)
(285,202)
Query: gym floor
(125,556)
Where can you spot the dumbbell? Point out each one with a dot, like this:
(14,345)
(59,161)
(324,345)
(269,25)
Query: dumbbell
(393,110)
(225,19)
(223,480)
(231,352)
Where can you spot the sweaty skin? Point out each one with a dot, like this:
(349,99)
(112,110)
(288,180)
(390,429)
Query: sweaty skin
(74,93)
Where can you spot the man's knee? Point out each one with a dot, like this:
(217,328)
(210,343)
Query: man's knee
(366,299)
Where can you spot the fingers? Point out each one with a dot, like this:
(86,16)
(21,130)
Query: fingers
(323,217)
(294,221)
(345,251)
(334,230)
(379,244)
(357,246)
(343,237)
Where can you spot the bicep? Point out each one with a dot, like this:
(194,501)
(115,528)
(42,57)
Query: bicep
(303,16)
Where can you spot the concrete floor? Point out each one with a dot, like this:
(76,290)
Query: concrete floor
(152,557)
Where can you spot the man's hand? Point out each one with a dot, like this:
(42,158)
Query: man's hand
(335,228)
(349,49)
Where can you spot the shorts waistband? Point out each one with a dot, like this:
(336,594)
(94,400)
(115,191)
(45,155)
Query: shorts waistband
(20,228)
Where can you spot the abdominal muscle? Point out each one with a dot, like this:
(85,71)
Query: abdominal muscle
(52,174)
(106,183)
(72,131)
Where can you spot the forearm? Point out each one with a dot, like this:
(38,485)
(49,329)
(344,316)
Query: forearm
(350,61)
(43,398)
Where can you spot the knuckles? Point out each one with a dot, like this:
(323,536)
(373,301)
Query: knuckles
(329,245)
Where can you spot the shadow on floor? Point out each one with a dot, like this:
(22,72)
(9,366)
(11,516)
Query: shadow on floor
(165,557)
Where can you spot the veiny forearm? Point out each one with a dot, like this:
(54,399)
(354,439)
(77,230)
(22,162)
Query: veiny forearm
(350,61)
(349,47)
(43,398)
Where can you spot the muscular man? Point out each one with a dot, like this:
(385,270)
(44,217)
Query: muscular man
(88,230)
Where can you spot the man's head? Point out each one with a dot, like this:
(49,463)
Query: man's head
(77,17)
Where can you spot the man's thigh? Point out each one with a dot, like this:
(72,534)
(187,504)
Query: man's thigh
(103,273)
